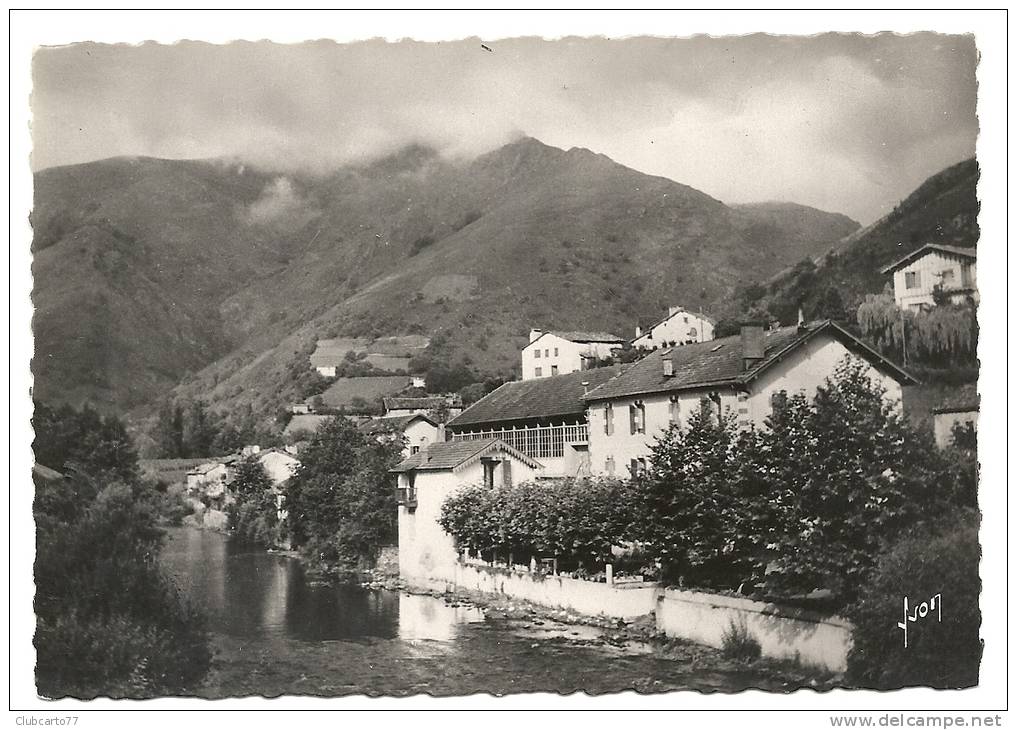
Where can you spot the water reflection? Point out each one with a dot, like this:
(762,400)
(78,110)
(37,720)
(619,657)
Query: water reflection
(250,593)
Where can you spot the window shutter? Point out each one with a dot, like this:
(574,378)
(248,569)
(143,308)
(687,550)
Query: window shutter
(632,419)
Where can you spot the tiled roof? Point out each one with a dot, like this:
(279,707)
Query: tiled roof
(447,455)
(964,399)
(391,423)
(426,403)
(719,362)
(344,390)
(683,312)
(576,336)
(929,248)
(559,396)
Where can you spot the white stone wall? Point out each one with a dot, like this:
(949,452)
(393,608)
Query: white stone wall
(279,466)
(419,433)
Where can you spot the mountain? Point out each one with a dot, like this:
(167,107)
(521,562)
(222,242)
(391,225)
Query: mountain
(943,209)
(219,277)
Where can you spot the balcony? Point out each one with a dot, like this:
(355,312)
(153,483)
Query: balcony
(406,497)
(537,442)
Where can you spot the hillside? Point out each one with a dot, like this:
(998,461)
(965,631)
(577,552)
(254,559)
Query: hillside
(943,209)
(152,272)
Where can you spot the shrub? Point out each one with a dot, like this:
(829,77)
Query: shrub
(927,561)
(738,644)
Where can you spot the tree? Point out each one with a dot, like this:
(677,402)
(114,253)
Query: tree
(253,515)
(341,503)
(84,441)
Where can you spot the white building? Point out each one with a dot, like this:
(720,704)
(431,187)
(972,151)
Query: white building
(278,464)
(742,374)
(427,554)
(416,430)
(961,409)
(560,353)
(449,405)
(921,272)
(679,327)
(544,418)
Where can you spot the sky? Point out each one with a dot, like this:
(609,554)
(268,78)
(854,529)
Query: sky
(845,123)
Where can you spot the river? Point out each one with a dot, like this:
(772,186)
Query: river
(274,633)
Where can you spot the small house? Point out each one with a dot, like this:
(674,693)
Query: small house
(960,410)
(560,352)
(679,327)
(427,554)
(416,431)
(918,276)
(448,406)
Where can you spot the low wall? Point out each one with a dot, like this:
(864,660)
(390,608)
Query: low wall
(627,600)
(782,633)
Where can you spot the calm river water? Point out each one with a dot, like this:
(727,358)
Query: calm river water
(276,633)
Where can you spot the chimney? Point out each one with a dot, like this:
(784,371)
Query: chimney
(422,453)
(535,333)
(668,367)
(752,344)
(801,317)
(586,386)
(639,331)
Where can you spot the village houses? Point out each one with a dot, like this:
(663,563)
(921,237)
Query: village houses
(447,405)
(560,353)
(679,327)
(917,276)
(743,374)
(604,421)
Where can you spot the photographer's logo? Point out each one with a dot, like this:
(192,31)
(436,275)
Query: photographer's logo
(934,604)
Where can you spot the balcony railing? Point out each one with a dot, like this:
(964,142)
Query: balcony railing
(537,442)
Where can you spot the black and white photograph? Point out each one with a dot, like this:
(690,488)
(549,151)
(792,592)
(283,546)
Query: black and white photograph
(638,366)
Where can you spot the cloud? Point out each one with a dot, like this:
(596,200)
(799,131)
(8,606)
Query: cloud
(279,206)
(849,122)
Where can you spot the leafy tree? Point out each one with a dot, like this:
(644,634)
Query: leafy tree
(341,503)
(84,441)
(253,515)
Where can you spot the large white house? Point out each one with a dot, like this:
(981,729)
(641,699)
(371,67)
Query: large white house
(427,554)
(917,275)
(742,374)
(543,418)
(679,327)
(560,353)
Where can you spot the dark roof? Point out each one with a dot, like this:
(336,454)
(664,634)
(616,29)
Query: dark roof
(928,248)
(559,396)
(447,455)
(342,392)
(386,424)
(963,400)
(576,336)
(719,362)
(427,403)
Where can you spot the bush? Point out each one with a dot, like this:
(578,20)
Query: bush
(575,520)
(738,644)
(927,561)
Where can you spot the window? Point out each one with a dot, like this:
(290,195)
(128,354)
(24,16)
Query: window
(912,279)
(637,418)
(506,473)
(554,370)
(674,409)
(637,467)
(547,352)
(692,332)
(948,275)
(556,352)
(686,319)
(414,449)
(489,467)
(609,419)
(538,372)
(536,354)
(609,466)
(778,399)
